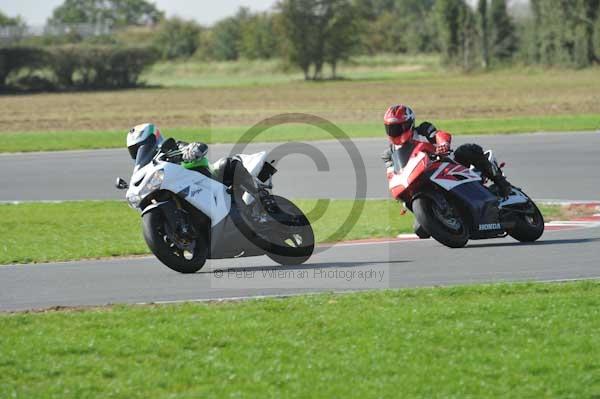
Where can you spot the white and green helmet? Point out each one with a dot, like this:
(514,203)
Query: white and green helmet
(146,133)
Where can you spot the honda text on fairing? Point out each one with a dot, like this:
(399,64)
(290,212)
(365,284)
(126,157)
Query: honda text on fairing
(189,217)
(453,203)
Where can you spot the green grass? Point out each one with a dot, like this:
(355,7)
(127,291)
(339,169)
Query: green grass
(45,232)
(248,73)
(507,340)
(63,140)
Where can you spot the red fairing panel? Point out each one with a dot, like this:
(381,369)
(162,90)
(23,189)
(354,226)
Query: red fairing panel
(426,147)
(411,172)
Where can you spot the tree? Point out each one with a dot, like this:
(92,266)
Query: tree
(16,26)
(484,28)
(177,38)
(588,17)
(319,32)
(596,40)
(385,35)
(468,38)
(226,36)
(258,37)
(503,38)
(117,13)
(457,28)
(448,17)
(396,26)
(5,20)
(565,31)
(341,35)
(299,19)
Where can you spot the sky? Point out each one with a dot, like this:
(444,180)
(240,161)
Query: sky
(206,12)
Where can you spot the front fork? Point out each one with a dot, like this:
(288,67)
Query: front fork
(177,219)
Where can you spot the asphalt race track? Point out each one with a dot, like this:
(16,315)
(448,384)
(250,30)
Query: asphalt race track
(550,166)
(559,255)
(546,166)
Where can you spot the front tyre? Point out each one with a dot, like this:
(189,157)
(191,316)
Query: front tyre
(445,226)
(292,240)
(528,227)
(168,250)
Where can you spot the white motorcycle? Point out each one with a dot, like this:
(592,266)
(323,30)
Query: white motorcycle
(189,216)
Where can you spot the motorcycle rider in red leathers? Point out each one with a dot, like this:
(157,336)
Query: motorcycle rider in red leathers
(400,127)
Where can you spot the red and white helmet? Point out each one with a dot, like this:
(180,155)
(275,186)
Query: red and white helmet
(399,123)
(146,133)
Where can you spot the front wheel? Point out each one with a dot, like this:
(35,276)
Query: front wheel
(446,226)
(292,240)
(528,227)
(183,257)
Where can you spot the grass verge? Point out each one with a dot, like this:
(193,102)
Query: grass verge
(80,140)
(249,73)
(45,232)
(507,340)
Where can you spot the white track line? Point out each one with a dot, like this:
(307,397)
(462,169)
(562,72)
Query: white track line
(352,291)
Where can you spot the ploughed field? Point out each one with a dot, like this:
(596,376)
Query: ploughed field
(434,95)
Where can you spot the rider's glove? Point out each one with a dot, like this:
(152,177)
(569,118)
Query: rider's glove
(387,158)
(442,149)
(194,151)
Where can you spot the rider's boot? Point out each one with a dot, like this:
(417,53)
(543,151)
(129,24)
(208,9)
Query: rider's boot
(495,174)
(472,154)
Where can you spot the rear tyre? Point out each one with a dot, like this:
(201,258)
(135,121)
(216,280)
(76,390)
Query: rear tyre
(167,251)
(292,241)
(447,228)
(528,227)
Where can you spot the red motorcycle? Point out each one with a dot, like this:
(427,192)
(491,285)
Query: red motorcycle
(453,203)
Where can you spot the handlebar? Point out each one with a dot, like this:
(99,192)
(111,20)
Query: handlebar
(173,156)
(440,157)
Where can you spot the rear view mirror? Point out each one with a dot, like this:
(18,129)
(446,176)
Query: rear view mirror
(121,184)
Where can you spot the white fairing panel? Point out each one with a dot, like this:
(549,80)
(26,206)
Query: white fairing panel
(448,176)
(516,197)
(204,193)
(402,177)
(254,163)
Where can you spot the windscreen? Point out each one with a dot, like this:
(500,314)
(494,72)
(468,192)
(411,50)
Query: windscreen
(401,156)
(146,152)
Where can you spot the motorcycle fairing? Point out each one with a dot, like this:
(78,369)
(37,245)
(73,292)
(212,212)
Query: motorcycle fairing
(204,193)
(254,162)
(516,198)
(232,243)
(482,207)
(398,182)
(450,175)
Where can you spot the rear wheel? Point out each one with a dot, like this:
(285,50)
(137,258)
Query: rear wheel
(445,225)
(528,227)
(183,256)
